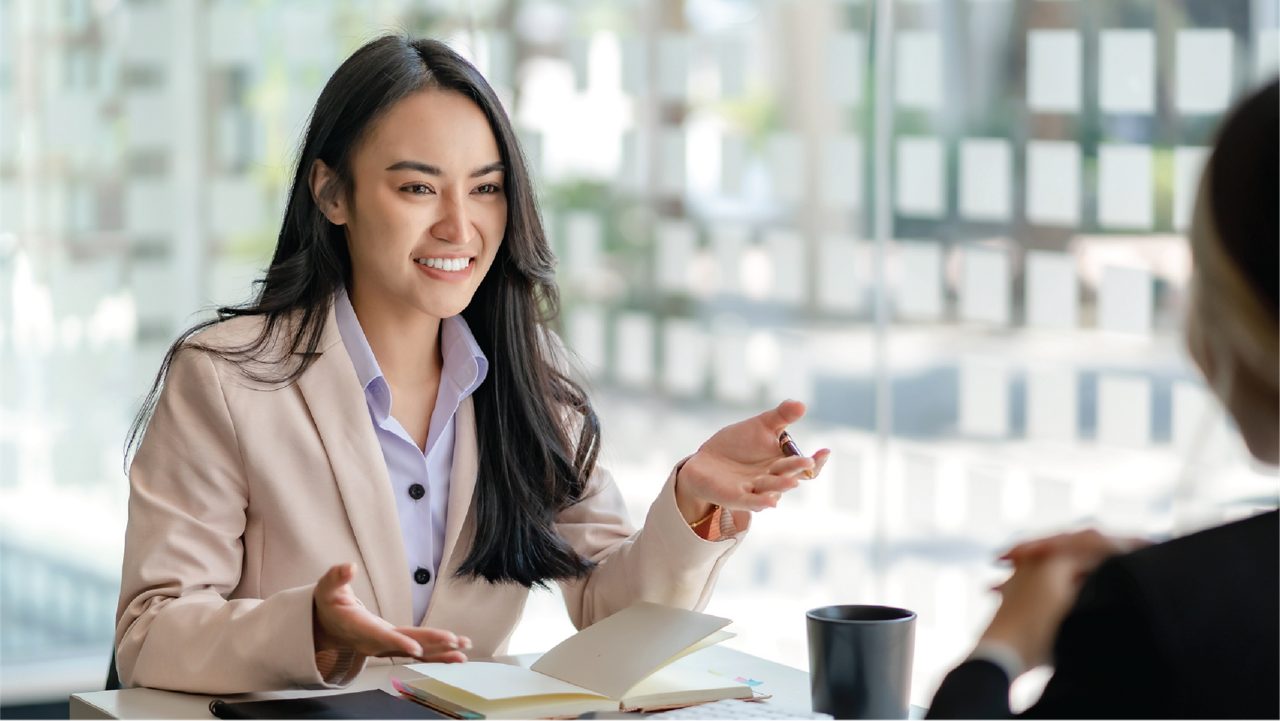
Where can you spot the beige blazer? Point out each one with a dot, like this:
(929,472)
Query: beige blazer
(242,495)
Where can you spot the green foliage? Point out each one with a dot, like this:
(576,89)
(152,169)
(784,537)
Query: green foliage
(756,115)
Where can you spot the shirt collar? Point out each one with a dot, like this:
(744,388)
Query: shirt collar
(465,364)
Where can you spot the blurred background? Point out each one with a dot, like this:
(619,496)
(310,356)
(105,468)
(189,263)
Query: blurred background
(956,235)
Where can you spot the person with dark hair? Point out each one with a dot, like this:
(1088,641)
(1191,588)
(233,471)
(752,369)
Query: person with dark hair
(384,451)
(1189,628)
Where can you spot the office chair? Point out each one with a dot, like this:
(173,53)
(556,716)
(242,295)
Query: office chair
(113,678)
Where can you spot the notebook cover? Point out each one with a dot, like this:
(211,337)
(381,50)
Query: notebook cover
(374,704)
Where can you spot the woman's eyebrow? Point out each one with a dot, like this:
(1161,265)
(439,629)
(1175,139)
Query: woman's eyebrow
(415,165)
(494,167)
(433,170)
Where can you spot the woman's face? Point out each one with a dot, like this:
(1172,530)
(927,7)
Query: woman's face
(429,209)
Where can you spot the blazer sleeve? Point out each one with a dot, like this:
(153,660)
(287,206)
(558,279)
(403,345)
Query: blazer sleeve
(1106,663)
(973,690)
(1108,660)
(175,627)
(663,562)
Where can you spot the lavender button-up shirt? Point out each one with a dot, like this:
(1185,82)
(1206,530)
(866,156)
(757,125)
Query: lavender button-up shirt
(419,479)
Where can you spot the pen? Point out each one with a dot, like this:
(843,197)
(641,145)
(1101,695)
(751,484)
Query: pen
(789,448)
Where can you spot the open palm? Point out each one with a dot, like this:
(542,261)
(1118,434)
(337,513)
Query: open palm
(343,622)
(742,466)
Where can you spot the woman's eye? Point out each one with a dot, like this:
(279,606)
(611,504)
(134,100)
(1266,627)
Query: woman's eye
(418,188)
(488,188)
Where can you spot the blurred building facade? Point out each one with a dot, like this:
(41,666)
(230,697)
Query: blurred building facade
(980,302)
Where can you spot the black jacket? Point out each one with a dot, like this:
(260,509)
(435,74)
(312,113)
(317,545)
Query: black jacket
(1182,629)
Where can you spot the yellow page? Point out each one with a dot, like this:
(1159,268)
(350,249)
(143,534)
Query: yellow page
(711,640)
(498,681)
(614,654)
(469,706)
(683,682)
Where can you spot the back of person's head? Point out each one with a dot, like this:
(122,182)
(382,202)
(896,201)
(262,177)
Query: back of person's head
(1233,324)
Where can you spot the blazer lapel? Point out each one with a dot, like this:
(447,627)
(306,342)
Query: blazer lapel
(462,485)
(341,416)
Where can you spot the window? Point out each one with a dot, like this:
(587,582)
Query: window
(980,304)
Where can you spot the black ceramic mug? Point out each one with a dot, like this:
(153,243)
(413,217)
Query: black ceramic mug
(860,660)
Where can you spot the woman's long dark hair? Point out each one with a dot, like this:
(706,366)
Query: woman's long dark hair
(526,409)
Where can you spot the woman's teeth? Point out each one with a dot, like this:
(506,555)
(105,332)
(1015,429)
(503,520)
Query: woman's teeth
(449,264)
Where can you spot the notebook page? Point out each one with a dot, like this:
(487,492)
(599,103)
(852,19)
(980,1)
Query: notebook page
(461,704)
(711,640)
(684,682)
(612,655)
(497,681)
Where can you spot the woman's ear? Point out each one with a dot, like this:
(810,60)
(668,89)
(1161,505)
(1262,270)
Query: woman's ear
(330,203)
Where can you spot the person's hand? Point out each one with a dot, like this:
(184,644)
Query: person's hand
(1034,600)
(341,621)
(742,466)
(1089,547)
(1046,580)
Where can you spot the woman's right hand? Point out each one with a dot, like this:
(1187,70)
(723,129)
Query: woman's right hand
(1089,547)
(341,621)
(1047,577)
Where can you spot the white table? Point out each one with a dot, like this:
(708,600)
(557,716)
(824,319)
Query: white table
(788,686)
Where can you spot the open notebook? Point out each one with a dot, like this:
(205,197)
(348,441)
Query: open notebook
(630,661)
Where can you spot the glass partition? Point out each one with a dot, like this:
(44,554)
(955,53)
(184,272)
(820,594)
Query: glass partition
(979,298)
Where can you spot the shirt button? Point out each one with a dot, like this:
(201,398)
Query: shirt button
(416,491)
(422,576)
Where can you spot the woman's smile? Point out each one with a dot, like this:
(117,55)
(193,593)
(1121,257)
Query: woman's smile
(450,270)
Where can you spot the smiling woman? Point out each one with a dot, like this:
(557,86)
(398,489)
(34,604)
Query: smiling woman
(429,186)
(383,451)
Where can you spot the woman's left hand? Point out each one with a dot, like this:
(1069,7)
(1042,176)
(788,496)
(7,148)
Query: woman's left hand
(742,467)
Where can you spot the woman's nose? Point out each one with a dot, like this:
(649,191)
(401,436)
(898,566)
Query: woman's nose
(452,224)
